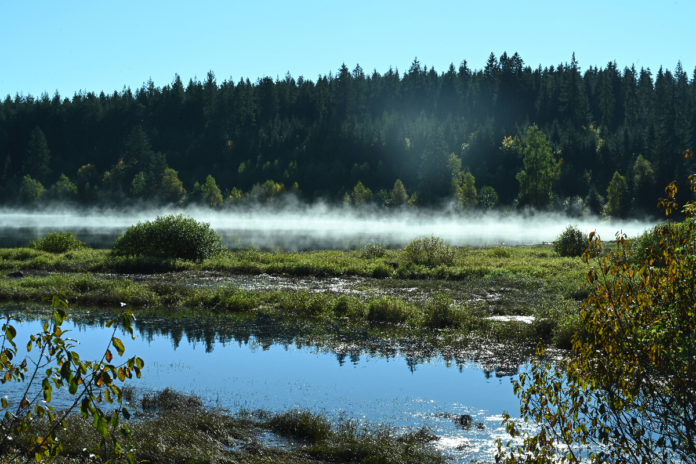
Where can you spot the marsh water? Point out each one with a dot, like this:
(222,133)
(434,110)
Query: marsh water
(313,227)
(252,362)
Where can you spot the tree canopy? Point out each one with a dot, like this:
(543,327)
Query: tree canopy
(354,126)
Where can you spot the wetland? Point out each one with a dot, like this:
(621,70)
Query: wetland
(386,354)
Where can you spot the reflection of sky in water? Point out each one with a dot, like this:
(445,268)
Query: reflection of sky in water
(237,375)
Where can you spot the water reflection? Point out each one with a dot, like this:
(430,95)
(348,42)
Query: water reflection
(380,376)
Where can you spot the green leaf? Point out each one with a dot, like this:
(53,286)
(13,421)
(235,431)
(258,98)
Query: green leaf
(118,344)
(102,426)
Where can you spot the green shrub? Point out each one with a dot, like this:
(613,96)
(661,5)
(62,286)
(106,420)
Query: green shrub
(389,310)
(571,242)
(373,250)
(645,245)
(57,242)
(500,252)
(350,307)
(381,271)
(432,251)
(438,312)
(173,236)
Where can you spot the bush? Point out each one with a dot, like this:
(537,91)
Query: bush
(571,242)
(430,252)
(173,236)
(646,246)
(57,242)
(389,310)
(627,390)
(500,252)
(438,312)
(373,250)
(381,271)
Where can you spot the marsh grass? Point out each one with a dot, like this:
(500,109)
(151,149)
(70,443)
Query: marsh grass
(466,263)
(479,283)
(176,428)
(348,441)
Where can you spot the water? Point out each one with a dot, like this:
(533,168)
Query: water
(312,227)
(255,363)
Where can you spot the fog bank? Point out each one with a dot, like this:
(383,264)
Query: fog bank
(297,227)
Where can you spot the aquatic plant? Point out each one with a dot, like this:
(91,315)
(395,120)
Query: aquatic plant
(172,236)
(57,242)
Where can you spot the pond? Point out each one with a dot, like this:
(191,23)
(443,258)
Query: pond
(249,363)
(313,227)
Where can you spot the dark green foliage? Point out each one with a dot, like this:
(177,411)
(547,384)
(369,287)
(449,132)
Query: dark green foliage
(431,252)
(487,197)
(571,242)
(37,156)
(57,242)
(173,236)
(375,128)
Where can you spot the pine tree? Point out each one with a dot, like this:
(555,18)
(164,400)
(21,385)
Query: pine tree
(37,156)
(399,196)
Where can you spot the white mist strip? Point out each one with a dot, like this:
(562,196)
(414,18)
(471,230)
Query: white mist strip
(324,223)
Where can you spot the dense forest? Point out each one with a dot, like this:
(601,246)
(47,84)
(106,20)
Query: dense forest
(604,140)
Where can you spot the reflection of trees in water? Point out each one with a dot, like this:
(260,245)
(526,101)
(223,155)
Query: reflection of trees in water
(348,343)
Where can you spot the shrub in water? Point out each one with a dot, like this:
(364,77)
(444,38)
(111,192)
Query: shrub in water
(389,310)
(571,242)
(173,236)
(438,312)
(57,242)
(431,252)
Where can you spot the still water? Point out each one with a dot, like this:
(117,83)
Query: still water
(254,363)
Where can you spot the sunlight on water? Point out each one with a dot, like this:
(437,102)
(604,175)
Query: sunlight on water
(246,372)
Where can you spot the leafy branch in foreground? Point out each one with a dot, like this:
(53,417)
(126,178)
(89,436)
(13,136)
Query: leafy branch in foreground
(627,392)
(29,423)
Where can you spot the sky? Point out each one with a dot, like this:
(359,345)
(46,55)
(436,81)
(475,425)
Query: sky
(49,46)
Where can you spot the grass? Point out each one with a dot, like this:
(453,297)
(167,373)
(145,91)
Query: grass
(479,283)
(177,429)
(467,263)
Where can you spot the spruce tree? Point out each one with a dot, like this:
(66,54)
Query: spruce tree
(37,156)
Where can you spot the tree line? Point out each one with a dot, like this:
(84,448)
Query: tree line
(603,140)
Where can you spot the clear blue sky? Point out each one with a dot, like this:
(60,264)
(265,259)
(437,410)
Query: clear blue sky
(97,45)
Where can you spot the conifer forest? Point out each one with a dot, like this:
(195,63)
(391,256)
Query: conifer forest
(600,140)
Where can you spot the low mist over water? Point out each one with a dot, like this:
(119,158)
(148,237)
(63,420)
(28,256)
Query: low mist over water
(312,227)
